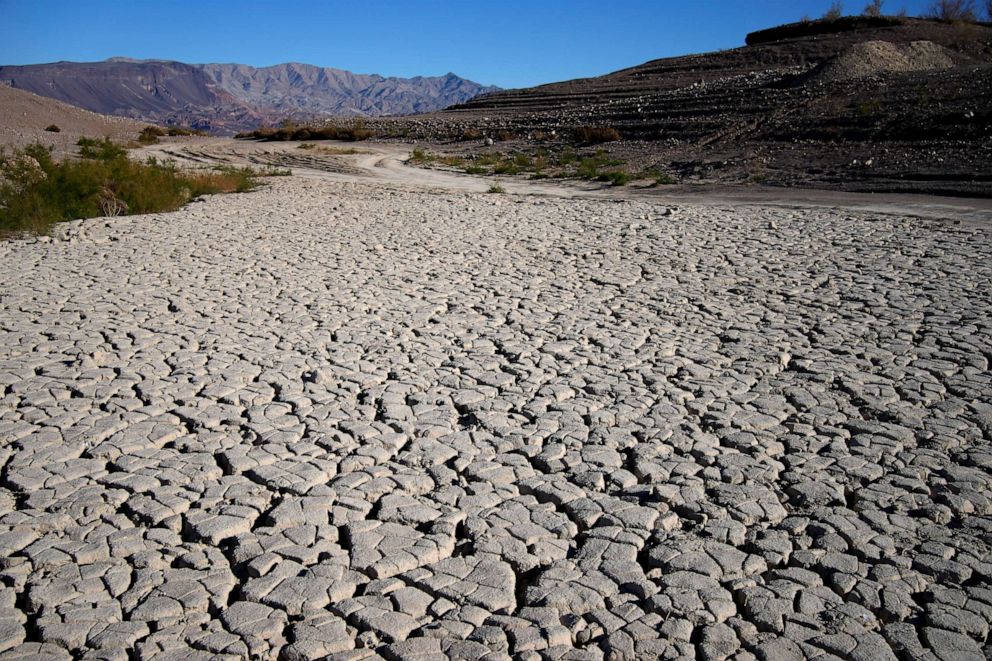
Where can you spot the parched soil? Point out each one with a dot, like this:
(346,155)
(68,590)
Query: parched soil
(348,417)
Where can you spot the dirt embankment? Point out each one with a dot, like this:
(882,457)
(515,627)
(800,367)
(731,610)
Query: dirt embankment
(24,118)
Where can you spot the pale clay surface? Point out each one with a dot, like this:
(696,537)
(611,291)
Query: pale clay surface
(352,420)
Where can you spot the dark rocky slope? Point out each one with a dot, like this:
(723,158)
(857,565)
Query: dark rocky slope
(893,104)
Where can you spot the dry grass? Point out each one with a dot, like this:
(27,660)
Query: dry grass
(594,135)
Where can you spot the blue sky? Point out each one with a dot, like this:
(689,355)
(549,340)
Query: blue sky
(510,43)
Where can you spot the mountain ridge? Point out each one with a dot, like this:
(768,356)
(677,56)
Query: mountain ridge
(227,97)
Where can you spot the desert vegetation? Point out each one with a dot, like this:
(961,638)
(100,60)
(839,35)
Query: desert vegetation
(561,164)
(36,191)
(835,11)
(353,132)
(53,128)
(594,135)
(150,135)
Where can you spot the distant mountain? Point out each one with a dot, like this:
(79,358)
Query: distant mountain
(228,97)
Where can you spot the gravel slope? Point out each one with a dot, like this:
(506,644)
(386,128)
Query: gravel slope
(24,117)
(370,420)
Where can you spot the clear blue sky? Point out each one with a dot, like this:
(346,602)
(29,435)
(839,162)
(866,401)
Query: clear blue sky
(510,43)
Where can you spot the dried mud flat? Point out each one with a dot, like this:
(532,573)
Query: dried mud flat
(357,420)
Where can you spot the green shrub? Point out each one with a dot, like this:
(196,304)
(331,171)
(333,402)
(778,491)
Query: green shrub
(36,191)
(496,188)
(103,149)
(616,178)
(590,166)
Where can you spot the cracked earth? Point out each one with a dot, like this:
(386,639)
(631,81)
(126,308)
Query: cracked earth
(340,419)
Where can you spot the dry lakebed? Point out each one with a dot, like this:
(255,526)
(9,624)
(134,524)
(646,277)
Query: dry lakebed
(350,418)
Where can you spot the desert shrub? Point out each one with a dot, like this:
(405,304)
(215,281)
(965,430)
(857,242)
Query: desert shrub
(496,188)
(52,128)
(489,159)
(594,135)
(475,169)
(835,11)
(103,149)
(506,167)
(150,135)
(420,156)
(952,10)
(868,108)
(505,136)
(664,179)
(352,133)
(36,191)
(873,9)
(523,161)
(615,178)
(184,130)
(471,134)
(589,167)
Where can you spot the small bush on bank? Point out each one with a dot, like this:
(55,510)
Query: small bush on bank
(37,192)
(103,149)
(52,128)
(589,166)
(183,130)
(496,188)
(615,178)
(150,135)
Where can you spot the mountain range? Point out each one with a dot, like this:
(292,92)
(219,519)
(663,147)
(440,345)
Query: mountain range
(224,98)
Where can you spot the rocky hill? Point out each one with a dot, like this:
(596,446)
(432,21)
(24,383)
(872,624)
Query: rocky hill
(228,97)
(24,118)
(862,104)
